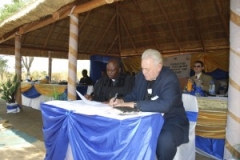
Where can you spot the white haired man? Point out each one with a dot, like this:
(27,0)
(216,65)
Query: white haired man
(165,96)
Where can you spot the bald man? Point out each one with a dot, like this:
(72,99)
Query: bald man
(115,82)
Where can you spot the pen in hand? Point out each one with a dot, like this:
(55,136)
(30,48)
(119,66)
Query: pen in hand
(115,97)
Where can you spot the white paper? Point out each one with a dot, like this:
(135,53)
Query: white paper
(79,107)
(86,100)
(154,98)
(89,90)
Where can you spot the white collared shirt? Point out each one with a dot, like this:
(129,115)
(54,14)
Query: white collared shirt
(198,75)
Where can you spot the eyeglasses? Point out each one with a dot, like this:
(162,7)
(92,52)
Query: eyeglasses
(197,66)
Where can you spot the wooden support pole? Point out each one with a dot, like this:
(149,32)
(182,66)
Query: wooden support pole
(18,66)
(232,140)
(49,66)
(72,56)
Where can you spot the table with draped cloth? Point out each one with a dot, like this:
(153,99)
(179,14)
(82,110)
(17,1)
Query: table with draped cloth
(35,93)
(76,130)
(211,126)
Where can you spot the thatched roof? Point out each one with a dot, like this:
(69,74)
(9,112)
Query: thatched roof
(122,28)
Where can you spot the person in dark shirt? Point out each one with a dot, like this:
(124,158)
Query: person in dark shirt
(85,80)
(115,82)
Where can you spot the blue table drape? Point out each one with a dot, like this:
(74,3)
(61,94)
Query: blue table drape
(94,137)
(31,93)
(211,146)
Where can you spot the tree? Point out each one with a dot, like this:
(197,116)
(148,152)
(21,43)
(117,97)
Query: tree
(27,63)
(3,66)
(10,9)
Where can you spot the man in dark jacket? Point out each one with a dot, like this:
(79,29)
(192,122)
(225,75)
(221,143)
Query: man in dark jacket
(157,89)
(115,82)
(85,80)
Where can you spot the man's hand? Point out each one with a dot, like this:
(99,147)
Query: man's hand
(115,102)
(120,102)
(89,97)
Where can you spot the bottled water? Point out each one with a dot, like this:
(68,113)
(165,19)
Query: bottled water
(211,88)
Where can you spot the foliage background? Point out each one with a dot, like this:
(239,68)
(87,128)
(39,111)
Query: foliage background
(9,9)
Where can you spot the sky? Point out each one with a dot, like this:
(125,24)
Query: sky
(5,2)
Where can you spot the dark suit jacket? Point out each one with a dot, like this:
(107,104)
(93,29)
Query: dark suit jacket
(105,90)
(85,80)
(169,101)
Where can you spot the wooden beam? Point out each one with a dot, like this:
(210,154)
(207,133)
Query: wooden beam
(129,35)
(192,14)
(35,25)
(62,13)
(116,37)
(91,5)
(84,21)
(169,25)
(152,37)
(48,35)
(225,24)
(192,50)
(9,35)
(106,31)
(118,30)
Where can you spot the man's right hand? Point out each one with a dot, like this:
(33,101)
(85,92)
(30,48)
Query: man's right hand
(88,97)
(115,102)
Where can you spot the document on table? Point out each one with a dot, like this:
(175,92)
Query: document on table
(86,100)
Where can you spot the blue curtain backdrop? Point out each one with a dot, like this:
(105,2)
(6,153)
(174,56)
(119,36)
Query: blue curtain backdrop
(217,74)
(97,65)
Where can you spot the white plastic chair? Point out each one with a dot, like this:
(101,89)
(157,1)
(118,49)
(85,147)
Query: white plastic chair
(187,151)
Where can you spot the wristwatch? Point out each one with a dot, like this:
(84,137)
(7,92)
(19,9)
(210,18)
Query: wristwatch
(135,106)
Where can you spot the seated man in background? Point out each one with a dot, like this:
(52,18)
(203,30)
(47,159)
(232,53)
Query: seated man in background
(199,75)
(85,80)
(115,82)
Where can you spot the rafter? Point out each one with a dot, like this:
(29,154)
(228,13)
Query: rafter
(63,13)
(118,30)
(129,35)
(146,26)
(91,5)
(84,21)
(225,24)
(116,37)
(106,31)
(9,35)
(192,14)
(169,25)
(190,50)
(48,35)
